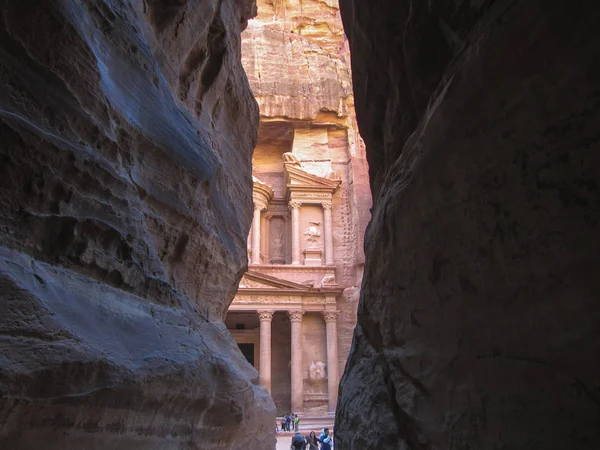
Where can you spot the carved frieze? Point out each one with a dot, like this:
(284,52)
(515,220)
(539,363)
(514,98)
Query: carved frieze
(319,195)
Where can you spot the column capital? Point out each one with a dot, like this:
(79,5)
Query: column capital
(327,205)
(294,204)
(265,315)
(259,206)
(296,316)
(330,316)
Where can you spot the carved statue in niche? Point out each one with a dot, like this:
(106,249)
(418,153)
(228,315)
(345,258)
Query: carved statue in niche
(316,371)
(276,241)
(312,233)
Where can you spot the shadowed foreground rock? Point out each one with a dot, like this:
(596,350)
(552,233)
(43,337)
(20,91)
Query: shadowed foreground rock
(126,133)
(478,322)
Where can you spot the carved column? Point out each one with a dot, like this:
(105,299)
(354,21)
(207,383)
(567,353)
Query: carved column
(295,208)
(264,372)
(267,239)
(332,358)
(297,378)
(256,234)
(287,255)
(328,233)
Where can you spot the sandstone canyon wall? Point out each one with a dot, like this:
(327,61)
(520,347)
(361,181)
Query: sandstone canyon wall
(126,134)
(480,305)
(296,57)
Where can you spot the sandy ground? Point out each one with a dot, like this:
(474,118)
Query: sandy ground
(284,442)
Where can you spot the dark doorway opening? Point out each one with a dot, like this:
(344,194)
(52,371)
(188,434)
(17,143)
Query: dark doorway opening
(248,352)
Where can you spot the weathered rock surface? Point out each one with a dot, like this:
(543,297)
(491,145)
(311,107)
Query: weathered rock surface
(126,133)
(295,56)
(478,319)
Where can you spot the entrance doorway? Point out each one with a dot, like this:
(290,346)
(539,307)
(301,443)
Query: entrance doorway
(248,352)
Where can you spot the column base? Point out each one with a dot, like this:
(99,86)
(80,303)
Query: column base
(312,257)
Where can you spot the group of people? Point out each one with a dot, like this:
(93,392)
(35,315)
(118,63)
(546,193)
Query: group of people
(290,422)
(312,442)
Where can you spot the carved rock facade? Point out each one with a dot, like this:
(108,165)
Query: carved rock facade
(478,320)
(122,237)
(311,201)
(311,205)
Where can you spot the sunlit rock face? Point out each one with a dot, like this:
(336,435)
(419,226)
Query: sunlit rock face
(478,320)
(295,56)
(126,133)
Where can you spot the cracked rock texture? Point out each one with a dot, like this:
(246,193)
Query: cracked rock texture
(126,134)
(478,319)
(295,56)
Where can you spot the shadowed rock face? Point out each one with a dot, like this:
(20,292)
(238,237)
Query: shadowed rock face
(126,133)
(478,320)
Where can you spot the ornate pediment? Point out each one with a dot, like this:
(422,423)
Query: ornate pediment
(297,177)
(256,280)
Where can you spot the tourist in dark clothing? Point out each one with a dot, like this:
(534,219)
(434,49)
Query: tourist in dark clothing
(298,442)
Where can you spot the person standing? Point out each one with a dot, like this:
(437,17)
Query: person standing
(296,422)
(326,440)
(312,443)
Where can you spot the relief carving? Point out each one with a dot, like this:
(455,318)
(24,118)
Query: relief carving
(317,372)
(328,280)
(312,234)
